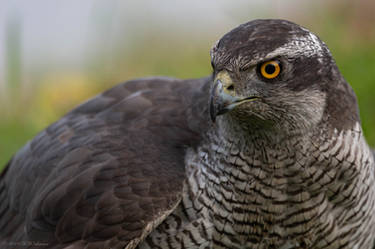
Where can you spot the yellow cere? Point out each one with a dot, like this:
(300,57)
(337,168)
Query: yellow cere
(224,77)
(270,69)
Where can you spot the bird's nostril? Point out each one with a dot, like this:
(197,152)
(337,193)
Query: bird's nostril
(230,88)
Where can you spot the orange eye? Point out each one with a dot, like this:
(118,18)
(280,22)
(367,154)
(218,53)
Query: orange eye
(270,69)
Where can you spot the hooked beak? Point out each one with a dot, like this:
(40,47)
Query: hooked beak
(222,99)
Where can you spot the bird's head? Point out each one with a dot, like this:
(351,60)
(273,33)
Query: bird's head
(275,74)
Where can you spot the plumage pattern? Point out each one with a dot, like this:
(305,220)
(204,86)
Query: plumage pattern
(236,160)
(276,203)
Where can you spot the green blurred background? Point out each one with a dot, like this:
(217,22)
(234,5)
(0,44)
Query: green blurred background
(56,54)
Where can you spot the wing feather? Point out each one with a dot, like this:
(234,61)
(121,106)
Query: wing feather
(108,172)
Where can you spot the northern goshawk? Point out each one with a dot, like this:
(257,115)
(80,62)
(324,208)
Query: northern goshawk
(268,152)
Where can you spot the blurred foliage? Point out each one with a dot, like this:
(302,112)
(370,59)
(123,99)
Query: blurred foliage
(30,108)
(33,108)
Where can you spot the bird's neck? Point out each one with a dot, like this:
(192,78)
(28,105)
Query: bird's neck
(323,149)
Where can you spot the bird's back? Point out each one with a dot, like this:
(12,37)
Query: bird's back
(107,172)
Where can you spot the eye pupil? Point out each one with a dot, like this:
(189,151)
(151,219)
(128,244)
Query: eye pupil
(270,69)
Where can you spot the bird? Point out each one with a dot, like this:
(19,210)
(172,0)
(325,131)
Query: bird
(266,152)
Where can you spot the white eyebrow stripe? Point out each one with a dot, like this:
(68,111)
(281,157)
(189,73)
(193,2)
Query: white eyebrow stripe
(308,45)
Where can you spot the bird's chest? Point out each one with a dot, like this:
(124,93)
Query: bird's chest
(253,205)
(284,201)
(249,203)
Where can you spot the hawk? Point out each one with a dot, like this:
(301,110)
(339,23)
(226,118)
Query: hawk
(267,152)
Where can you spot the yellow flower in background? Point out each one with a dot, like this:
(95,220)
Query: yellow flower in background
(58,93)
